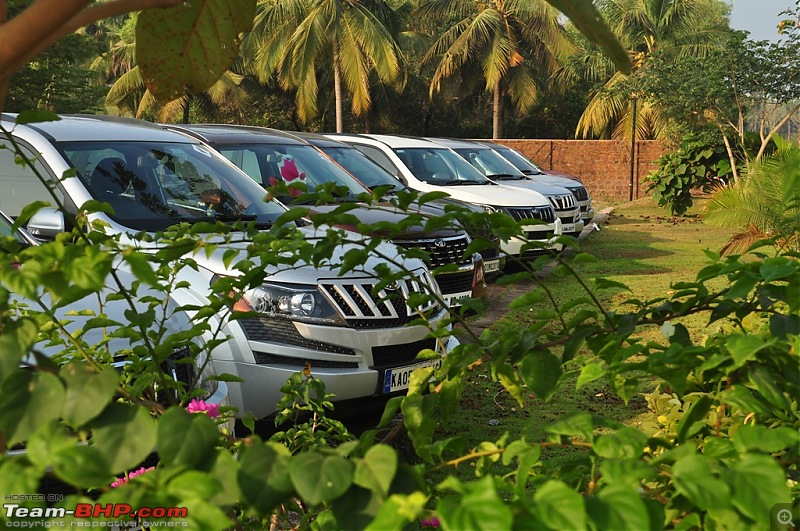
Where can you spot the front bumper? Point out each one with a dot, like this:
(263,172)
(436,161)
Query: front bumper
(587,210)
(351,361)
(535,233)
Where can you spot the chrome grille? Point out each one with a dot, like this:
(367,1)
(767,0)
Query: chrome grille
(580,193)
(544,213)
(442,251)
(388,306)
(563,202)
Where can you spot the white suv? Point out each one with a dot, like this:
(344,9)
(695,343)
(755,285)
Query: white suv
(426,167)
(355,340)
(495,167)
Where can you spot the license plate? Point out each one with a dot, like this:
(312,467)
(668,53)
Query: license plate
(491,267)
(397,379)
(454,299)
(568,228)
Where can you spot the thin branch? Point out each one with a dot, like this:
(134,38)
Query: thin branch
(776,129)
(42,25)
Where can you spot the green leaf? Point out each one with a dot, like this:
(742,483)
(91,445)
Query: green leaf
(480,508)
(88,391)
(762,439)
(758,483)
(263,478)
(124,434)
(398,511)
(559,506)
(777,268)
(693,479)
(591,24)
(140,266)
(589,373)
(376,471)
(48,441)
(765,382)
(193,484)
(318,478)
(186,439)
(626,443)
(619,507)
(783,326)
(694,419)
(357,509)
(744,348)
(676,333)
(31,117)
(27,401)
(186,49)
(83,466)
(15,341)
(627,472)
(420,422)
(541,371)
(576,424)
(17,476)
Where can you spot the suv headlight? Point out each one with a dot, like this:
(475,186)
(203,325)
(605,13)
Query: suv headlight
(298,302)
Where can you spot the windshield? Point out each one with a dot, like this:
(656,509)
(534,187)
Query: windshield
(266,164)
(366,171)
(151,186)
(440,166)
(522,164)
(489,162)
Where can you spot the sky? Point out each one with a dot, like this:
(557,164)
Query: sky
(759,17)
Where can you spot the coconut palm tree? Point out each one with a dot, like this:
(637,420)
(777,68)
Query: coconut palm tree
(677,27)
(764,203)
(517,44)
(296,40)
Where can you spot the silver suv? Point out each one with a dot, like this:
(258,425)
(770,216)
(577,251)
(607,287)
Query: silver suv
(355,339)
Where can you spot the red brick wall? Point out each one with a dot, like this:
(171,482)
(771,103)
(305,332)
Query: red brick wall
(604,166)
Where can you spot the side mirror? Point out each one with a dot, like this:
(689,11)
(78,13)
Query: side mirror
(47,223)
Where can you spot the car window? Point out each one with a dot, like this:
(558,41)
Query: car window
(439,166)
(271,163)
(364,169)
(378,157)
(151,186)
(19,184)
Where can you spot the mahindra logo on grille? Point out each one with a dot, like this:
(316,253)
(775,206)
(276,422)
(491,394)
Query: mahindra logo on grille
(392,286)
(439,242)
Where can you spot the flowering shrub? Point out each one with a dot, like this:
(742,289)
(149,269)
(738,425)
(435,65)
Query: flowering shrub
(200,406)
(138,472)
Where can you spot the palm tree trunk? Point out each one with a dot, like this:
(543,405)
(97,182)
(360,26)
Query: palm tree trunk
(497,115)
(337,87)
(186,102)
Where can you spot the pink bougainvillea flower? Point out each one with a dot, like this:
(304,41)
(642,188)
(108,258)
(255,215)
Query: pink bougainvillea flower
(121,481)
(200,406)
(289,171)
(432,522)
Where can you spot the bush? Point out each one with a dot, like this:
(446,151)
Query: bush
(695,165)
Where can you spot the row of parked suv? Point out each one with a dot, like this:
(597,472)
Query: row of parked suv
(358,340)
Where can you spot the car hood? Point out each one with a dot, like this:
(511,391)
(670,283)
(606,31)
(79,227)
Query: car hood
(302,272)
(494,194)
(543,188)
(557,179)
(388,213)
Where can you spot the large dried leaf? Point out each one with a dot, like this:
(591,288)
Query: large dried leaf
(188,48)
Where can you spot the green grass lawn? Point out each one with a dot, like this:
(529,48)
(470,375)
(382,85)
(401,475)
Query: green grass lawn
(639,245)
